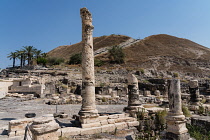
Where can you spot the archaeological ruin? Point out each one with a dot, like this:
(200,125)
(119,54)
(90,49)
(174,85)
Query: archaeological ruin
(85,101)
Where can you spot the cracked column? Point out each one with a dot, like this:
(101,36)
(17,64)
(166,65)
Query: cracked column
(176,123)
(88,109)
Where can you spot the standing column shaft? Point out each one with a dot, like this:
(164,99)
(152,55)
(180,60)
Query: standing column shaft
(176,123)
(88,78)
(174,97)
(133,91)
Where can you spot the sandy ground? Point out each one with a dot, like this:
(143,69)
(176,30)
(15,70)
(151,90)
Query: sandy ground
(14,108)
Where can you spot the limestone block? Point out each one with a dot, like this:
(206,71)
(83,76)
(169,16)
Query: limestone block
(108,128)
(127,119)
(115,116)
(134,123)
(114,93)
(44,125)
(104,122)
(111,121)
(47,136)
(89,120)
(70,131)
(101,118)
(96,124)
(193,84)
(121,125)
(157,93)
(18,125)
(147,93)
(90,131)
(176,127)
(17,133)
(122,115)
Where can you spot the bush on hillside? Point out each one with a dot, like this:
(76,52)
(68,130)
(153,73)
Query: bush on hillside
(116,55)
(54,61)
(98,62)
(76,59)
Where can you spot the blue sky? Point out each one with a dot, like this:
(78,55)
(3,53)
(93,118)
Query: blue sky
(47,24)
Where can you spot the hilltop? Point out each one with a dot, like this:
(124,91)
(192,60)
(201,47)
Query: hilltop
(158,52)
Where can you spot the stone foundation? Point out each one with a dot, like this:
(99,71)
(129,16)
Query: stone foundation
(17,127)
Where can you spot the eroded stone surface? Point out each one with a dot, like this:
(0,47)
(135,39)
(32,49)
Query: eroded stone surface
(176,123)
(88,78)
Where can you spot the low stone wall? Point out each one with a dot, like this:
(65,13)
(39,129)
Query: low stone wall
(201,121)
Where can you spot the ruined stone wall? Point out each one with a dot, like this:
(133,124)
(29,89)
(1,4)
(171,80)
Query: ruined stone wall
(4,84)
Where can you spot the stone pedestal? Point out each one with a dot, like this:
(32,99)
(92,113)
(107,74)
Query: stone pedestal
(194,92)
(88,109)
(45,128)
(176,123)
(133,96)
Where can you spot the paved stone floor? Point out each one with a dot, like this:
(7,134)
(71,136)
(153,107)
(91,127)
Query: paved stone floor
(14,108)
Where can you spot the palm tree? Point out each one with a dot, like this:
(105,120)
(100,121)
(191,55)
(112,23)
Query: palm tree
(29,50)
(37,53)
(20,55)
(13,56)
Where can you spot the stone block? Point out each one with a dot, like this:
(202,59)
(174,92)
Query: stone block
(111,121)
(193,84)
(16,127)
(90,131)
(104,122)
(70,131)
(89,120)
(96,124)
(122,115)
(134,123)
(108,128)
(47,136)
(121,125)
(114,116)
(101,118)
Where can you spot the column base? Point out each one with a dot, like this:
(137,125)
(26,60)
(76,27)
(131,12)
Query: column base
(88,116)
(133,110)
(176,124)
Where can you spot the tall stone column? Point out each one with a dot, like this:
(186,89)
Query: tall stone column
(133,96)
(176,123)
(88,108)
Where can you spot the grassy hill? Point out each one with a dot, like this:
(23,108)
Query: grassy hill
(158,52)
(98,42)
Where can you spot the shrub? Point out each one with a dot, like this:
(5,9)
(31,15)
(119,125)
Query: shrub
(98,62)
(198,133)
(175,75)
(55,61)
(76,59)
(41,60)
(160,119)
(201,110)
(186,111)
(116,55)
(142,71)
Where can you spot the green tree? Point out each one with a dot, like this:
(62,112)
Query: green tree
(13,56)
(76,59)
(116,55)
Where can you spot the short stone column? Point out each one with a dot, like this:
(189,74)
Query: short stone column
(176,123)
(88,109)
(44,128)
(194,92)
(133,96)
